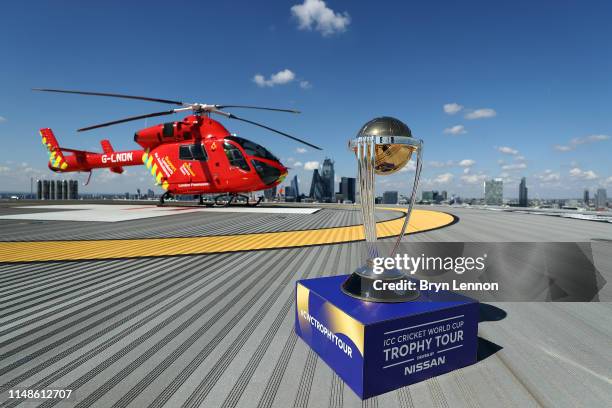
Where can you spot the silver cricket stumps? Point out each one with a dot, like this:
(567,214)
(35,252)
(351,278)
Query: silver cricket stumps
(383,146)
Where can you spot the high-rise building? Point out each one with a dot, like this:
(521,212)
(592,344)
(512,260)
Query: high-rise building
(65,190)
(318,190)
(39,189)
(59,189)
(327,174)
(494,192)
(601,199)
(427,195)
(289,194)
(585,199)
(295,188)
(51,190)
(269,194)
(390,197)
(444,195)
(151,193)
(347,188)
(73,190)
(45,189)
(523,193)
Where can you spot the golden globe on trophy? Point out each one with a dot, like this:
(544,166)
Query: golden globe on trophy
(383,146)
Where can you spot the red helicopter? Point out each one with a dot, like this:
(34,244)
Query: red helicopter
(194,156)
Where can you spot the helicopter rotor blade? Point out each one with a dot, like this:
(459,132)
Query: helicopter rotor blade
(232,116)
(149,115)
(257,107)
(112,95)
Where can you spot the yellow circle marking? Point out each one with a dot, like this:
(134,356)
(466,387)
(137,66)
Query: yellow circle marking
(34,251)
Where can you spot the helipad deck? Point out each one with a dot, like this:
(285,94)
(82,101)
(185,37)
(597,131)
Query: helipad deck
(215,330)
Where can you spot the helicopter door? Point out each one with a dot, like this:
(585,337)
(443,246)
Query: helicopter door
(190,154)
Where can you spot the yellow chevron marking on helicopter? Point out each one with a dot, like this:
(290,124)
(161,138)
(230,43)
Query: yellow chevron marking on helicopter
(421,220)
(149,161)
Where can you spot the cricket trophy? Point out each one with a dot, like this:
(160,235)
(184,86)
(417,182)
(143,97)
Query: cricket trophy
(378,340)
(383,146)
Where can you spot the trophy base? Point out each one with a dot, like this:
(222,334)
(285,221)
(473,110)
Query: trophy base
(379,347)
(362,287)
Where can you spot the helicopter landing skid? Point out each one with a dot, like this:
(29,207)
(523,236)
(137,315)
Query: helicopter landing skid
(162,198)
(232,198)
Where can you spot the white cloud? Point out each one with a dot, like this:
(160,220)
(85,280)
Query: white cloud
(2,119)
(443,178)
(507,150)
(548,176)
(481,113)
(311,165)
(315,14)
(452,108)
(473,178)
(467,163)
(575,142)
(305,85)
(563,148)
(589,139)
(455,130)
(580,174)
(608,181)
(280,78)
(297,164)
(515,166)
(301,150)
(410,166)
(438,164)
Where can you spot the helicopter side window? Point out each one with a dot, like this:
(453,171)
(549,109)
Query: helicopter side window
(192,152)
(253,149)
(235,156)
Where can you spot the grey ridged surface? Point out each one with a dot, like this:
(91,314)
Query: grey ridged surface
(217,331)
(182,225)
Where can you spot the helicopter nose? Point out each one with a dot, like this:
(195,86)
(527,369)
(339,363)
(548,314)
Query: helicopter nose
(268,173)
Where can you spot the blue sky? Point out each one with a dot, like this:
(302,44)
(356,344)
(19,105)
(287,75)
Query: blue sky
(527,85)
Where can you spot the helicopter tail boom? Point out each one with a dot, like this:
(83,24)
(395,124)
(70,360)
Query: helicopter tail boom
(81,160)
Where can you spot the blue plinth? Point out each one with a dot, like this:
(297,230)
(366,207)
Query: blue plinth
(379,347)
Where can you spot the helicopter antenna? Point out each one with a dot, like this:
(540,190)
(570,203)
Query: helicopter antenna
(196,108)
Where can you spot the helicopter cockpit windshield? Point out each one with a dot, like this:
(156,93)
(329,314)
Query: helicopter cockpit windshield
(253,149)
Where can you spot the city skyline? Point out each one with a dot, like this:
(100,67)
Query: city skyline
(492,102)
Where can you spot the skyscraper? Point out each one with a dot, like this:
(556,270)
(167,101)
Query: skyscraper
(494,192)
(295,188)
(269,194)
(586,200)
(59,189)
(45,189)
(318,187)
(523,193)
(289,194)
(73,190)
(327,174)
(390,197)
(347,188)
(601,199)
